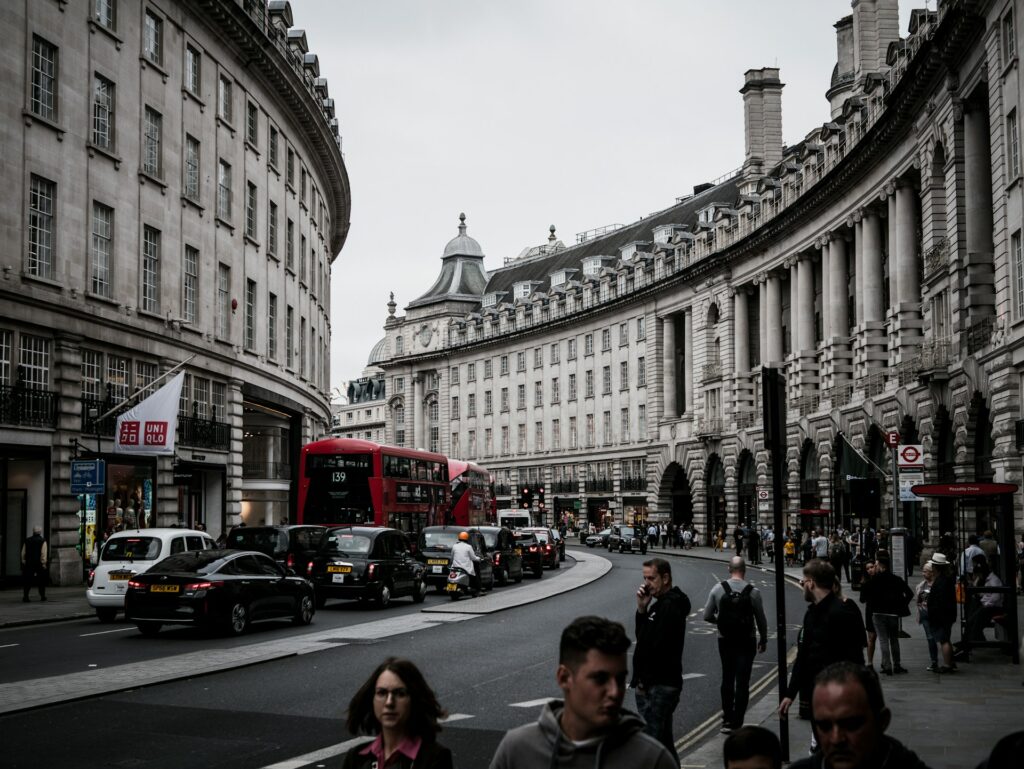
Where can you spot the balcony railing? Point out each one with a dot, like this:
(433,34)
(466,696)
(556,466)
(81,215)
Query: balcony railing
(841,394)
(634,484)
(104,427)
(204,433)
(808,404)
(747,418)
(601,484)
(502,490)
(709,427)
(564,487)
(979,334)
(28,406)
(276,471)
(873,384)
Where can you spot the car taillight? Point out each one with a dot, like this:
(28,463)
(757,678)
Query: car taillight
(547,548)
(533,548)
(371,571)
(497,559)
(194,586)
(309,568)
(92,576)
(134,583)
(290,561)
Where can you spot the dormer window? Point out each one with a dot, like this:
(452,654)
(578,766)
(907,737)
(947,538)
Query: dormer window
(490,300)
(522,290)
(665,232)
(627,251)
(706,215)
(592,266)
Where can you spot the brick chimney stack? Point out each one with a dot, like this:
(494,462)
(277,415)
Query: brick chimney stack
(762,117)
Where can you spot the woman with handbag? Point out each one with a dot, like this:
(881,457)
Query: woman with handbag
(396,704)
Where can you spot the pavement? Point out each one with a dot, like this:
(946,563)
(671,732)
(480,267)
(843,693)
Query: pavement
(950,721)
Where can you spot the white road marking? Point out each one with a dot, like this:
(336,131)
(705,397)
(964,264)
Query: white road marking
(319,755)
(688,676)
(7,646)
(457,717)
(104,632)
(531,703)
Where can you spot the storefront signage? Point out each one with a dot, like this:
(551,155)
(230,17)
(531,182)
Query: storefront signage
(963,489)
(88,476)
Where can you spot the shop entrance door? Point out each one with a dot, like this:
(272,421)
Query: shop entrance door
(13,520)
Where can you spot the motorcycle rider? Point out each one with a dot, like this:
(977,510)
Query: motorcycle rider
(464,557)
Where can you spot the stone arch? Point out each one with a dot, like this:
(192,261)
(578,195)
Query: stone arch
(746,487)
(810,476)
(675,496)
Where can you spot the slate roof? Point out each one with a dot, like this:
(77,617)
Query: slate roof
(684,213)
(463,276)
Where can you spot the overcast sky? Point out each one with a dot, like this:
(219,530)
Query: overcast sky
(527,113)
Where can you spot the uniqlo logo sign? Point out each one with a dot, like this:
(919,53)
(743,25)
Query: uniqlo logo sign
(129,434)
(156,433)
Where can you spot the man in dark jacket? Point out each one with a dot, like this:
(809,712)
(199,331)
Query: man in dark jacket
(889,597)
(850,719)
(589,727)
(830,633)
(661,612)
(34,557)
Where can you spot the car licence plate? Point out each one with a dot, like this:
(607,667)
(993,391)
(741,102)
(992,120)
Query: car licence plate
(339,569)
(338,578)
(163,588)
(119,575)
(438,569)
(437,562)
(451,587)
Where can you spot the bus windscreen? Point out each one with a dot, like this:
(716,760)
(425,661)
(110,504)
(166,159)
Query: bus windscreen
(339,489)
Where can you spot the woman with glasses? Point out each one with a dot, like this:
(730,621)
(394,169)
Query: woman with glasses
(399,708)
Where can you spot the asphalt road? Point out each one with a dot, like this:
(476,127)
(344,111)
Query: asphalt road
(491,672)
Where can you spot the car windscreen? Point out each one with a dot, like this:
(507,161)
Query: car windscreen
(346,543)
(542,537)
(525,538)
(193,562)
(438,539)
(627,531)
(269,541)
(490,537)
(131,549)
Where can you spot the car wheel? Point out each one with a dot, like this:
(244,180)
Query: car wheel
(519,579)
(539,573)
(558,565)
(238,618)
(304,611)
(490,585)
(384,599)
(503,577)
(106,614)
(321,599)
(622,549)
(148,628)
(421,592)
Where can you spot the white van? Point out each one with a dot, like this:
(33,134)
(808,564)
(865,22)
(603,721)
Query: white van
(127,553)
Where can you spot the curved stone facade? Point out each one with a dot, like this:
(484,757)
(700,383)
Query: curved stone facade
(176,192)
(878,263)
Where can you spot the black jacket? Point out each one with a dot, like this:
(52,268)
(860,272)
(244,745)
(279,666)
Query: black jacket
(886,593)
(830,634)
(431,755)
(660,635)
(892,755)
(942,602)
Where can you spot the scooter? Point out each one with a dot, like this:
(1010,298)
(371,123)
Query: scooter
(459,584)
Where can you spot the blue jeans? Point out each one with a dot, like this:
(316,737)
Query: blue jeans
(933,646)
(656,705)
(737,662)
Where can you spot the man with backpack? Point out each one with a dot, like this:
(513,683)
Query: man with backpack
(736,607)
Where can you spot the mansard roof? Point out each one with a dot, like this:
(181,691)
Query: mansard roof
(683,213)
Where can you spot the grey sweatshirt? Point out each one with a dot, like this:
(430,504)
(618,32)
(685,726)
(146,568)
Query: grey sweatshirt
(542,745)
(737,586)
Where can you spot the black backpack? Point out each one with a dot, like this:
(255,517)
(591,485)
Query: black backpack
(736,613)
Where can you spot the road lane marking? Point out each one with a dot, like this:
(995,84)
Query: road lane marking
(319,755)
(688,676)
(456,717)
(7,646)
(531,703)
(104,632)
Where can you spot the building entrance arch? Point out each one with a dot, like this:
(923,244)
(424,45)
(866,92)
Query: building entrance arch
(746,492)
(715,493)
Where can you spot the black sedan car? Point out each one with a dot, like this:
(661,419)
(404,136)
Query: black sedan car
(221,589)
(548,539)
(369,563)
(435,552)
(293,547)
(626,539)
(506,555)
(533,553)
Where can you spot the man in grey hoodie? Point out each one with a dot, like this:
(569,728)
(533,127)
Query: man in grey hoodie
(589,728)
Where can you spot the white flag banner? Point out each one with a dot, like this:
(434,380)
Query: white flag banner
(150,425)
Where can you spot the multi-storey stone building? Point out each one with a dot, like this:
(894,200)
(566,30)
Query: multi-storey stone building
(363,414)
(878,263)
(176,192)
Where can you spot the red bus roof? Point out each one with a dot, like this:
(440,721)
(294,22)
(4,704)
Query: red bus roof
(457,467)
(359,446)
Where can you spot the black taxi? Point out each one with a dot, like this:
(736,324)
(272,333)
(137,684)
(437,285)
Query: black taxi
(506,555)
(435,552)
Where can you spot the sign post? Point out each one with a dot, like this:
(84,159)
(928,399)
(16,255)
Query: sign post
(892,440)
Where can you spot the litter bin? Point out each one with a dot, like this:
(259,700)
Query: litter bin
(856,572)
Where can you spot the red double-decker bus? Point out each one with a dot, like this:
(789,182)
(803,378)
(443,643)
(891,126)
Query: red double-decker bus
(472,494)
(346,480)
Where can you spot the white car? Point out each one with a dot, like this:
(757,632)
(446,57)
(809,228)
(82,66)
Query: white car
(127,553)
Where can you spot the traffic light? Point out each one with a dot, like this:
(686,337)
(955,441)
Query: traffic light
(540,497)
(526,497)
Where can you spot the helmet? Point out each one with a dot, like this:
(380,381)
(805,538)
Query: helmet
(464,536)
